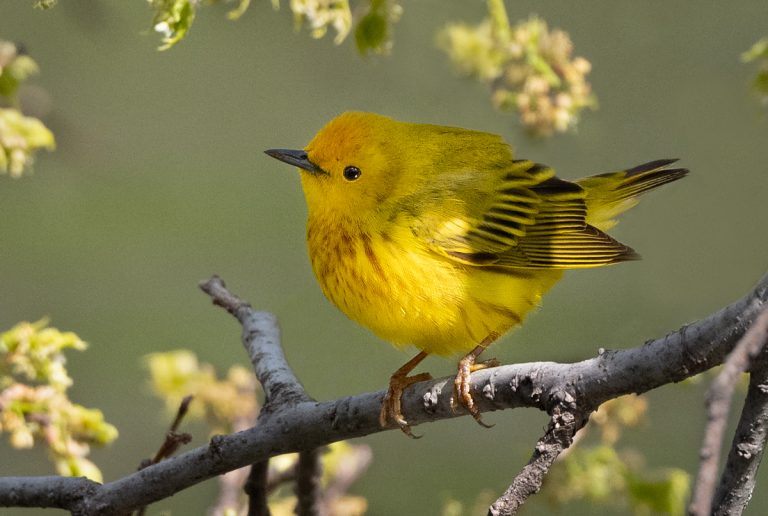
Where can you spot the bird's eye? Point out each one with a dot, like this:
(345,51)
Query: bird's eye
(351,173)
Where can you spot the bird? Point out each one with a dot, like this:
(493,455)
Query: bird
(442,239)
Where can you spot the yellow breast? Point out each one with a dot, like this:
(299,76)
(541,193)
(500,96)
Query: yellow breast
(391,283)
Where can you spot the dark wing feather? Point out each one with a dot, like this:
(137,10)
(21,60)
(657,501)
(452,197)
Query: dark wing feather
(522,216)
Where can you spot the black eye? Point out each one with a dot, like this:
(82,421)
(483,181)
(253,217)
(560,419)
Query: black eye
(351,173)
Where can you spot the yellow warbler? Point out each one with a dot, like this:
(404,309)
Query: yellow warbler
(436,237)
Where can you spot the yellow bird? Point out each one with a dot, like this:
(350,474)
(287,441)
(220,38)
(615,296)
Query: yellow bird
(438,238)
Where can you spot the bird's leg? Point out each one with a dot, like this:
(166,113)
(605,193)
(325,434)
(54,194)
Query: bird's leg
(467,366)
(391,409)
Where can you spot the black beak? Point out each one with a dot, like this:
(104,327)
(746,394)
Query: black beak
(297,158)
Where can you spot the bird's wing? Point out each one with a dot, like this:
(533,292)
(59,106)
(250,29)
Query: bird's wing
(518,216)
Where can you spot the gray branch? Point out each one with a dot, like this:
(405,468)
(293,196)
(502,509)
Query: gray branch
(261,338)
(562,428)
(256,489)
(718,406)
(308,489)
(740,473)
(305,424)
(51,491)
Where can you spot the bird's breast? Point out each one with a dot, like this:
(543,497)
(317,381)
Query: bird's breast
(390,282)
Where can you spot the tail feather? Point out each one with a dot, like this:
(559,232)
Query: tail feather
(609,195)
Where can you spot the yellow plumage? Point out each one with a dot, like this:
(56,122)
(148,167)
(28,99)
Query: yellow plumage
(437,237)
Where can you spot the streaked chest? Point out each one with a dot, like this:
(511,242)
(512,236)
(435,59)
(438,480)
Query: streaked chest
(382,278)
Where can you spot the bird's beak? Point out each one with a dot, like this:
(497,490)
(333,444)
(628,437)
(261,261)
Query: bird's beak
(297,158)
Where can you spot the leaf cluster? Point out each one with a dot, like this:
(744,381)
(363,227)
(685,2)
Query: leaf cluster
(34,405)
(20,136)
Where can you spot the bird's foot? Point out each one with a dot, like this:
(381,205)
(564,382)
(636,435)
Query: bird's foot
(461,384)
(391,408)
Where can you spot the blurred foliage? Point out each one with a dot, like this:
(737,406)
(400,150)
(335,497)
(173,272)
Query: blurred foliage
(222,403)
(600,474)
(173,19)
(20,136)
(34,405)
(230,405)
(44,4)
(321,14)
(528,67)
(759,54)
(479,505)
(373,32)
(343,463)
(15,68)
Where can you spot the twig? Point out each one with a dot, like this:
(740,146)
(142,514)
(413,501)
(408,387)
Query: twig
(305,425)
(718,406)
(261,338)
(740,472)
(565,422)
(172,439)
(171,443)
(308,488)
(256,489)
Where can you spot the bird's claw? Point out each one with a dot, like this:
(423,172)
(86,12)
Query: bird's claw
(461,387)
(391,406)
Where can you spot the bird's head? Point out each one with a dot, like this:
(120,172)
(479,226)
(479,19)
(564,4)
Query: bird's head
(352,165)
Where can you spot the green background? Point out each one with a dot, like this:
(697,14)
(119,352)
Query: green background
(159,180)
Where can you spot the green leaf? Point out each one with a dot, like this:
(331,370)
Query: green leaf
(371,33)
(238,11)
(172,19)
(44,4)
(664,494)
(14,69)
(759,50)
(760,83)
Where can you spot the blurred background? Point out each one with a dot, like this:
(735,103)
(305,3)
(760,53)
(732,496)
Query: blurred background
(159,180)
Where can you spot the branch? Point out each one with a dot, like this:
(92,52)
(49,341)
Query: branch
(256,489)
(304,424)
(718,406)
(559,436)
(171,443)
(740,473)
(172,439)
(261,338)
(251,480)
(52,491)
(308,488)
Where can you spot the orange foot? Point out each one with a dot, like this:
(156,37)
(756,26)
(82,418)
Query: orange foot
(391,408)
(461,394)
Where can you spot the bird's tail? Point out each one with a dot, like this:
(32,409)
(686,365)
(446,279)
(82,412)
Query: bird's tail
(609,195)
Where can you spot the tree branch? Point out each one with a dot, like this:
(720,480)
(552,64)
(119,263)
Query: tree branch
(562,428)
(261,338)
(308,489)
(252,480)
(256,489)
(51,491)
(718,407)
(740,473)
(304,424)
